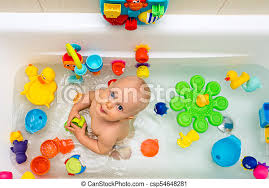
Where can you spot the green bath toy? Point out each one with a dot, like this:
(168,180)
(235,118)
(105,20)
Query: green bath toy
(198,103)
(77,122)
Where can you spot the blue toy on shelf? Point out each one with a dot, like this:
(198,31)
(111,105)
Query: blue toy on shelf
(35,120)
(133,12)
(264,115)
(160,108)
(226,152)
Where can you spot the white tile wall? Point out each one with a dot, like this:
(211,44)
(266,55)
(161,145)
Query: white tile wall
(176,6)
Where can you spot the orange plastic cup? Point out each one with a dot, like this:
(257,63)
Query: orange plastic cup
(150,148)
(49,148)
(40,165)
(65,146)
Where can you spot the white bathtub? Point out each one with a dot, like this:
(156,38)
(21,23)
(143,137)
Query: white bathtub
(225,41)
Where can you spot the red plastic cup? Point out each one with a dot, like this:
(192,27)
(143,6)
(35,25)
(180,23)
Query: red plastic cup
(40,165)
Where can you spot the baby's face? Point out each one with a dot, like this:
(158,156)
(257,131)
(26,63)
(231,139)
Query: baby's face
(121,100)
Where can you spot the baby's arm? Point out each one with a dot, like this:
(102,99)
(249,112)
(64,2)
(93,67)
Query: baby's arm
(102,146)
(83,103)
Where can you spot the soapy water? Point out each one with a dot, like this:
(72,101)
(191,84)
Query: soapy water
(171,161)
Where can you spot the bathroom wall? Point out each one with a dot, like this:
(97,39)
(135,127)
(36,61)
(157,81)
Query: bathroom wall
(176,6)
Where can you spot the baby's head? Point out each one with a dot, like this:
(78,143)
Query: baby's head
(123,99)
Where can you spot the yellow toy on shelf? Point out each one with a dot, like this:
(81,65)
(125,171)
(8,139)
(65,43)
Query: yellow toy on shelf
(186,141)
(16,136)
(266,134)
(28,175)
(202,100)
(112,10)
(40,90)
(235,80)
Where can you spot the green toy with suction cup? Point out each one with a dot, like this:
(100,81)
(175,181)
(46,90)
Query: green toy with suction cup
(78,122)
(192,107)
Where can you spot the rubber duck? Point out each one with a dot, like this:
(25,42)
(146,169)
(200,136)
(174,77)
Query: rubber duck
(16,136)
(40,90)
(74,166)
(28,175)
(253,84)
(186,141)
(202,100)
(118,67)
(235,80)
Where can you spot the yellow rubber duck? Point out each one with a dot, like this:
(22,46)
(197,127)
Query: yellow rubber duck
(235,80)
(40,90)
(16,136)
(186,141)
(28,175)
(202,100)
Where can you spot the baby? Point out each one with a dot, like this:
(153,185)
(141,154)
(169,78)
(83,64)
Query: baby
(110,111)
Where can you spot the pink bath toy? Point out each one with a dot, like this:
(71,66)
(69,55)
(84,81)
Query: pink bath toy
(261,171)
(6,175)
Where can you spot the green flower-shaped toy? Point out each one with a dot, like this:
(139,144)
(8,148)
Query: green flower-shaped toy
(192,104)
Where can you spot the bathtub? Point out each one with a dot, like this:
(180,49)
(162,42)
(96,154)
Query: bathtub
(204,44)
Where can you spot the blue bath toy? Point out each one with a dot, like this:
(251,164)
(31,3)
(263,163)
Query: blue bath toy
(35,120)
(160,108)
(253,84)
(226,152)
(249,162)
(94,63)
(264,115)
(76,47)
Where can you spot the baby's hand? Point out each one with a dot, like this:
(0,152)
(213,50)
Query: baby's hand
(73,114)
(77,131)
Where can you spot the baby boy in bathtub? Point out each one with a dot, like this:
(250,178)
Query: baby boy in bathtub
(110,113)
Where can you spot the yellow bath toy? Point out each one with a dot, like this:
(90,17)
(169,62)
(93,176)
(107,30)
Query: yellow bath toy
(148,18)
(235,80)
(28,175)
(112,10)
(186,141)
(16,136)
(40,90)
(142,72)
(202,100)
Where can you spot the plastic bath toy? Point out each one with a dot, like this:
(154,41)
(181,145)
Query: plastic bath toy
(40,90)
(160,108)
(19,149)
(235,80)
(202,100)
(249,163)
(266,134)
(74,166)
(72,60)
(50,148)
(94,63)
(111,81)
(186,141)
(6,175)
(133,12)
(226,152)
(253,84)
(118,67)
(142,57)
(16,136)
(264,115)
(28,175)
(261,171)
(40,165)
(35,120)
(78,122)
(192,110)
(227,125)
(148,18)
(150,147)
